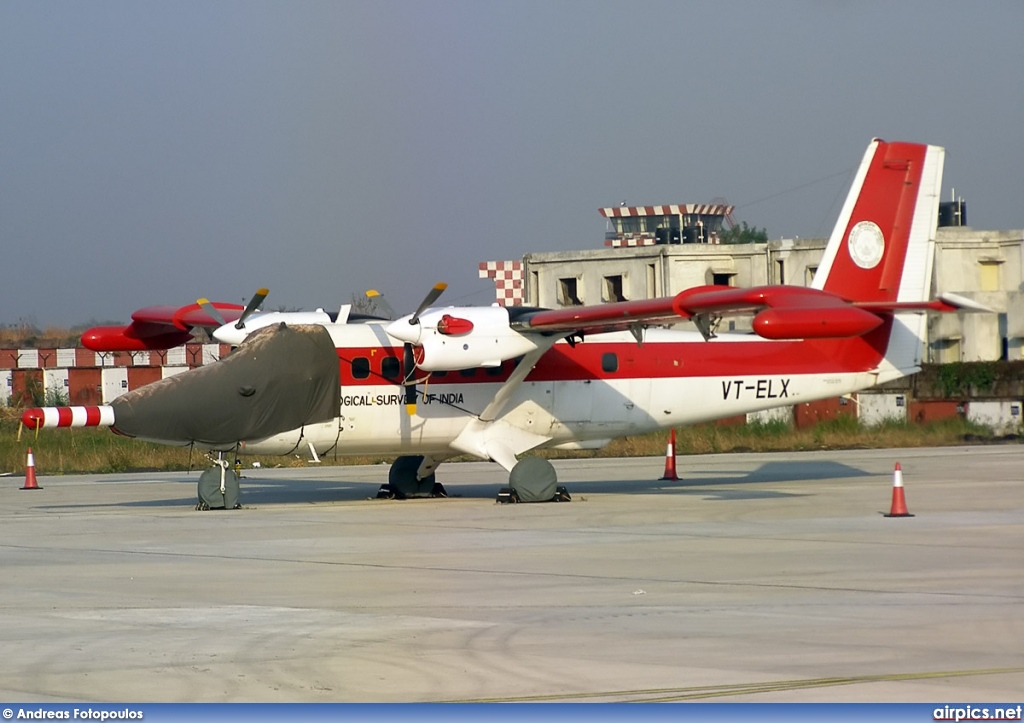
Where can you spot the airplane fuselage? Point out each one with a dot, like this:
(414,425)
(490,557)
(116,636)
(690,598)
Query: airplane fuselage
(577,396)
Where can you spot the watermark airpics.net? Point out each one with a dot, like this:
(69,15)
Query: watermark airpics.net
(969,712)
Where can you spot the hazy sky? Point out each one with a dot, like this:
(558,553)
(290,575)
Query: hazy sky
(153,152)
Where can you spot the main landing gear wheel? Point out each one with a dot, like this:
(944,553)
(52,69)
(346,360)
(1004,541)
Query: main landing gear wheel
(403,483)
(533,480)
(218,489)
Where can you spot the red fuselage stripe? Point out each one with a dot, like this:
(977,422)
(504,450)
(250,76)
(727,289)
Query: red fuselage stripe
(660,360)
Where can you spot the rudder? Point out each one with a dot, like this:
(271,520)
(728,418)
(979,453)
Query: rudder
(882,247)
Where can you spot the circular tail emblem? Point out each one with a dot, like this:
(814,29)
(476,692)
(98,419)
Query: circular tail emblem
(866,244)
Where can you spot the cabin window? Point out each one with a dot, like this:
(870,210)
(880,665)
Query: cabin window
(390,368)
(610,362)
(467,372)
(360,367)
(568,292)
(612,289)
(494,371)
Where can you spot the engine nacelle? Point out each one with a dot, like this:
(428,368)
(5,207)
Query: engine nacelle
(833,322)
(134,337)
(465,338)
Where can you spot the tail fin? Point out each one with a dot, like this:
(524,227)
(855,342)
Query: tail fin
(882,247)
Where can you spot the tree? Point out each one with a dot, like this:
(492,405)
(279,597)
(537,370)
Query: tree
(743,234)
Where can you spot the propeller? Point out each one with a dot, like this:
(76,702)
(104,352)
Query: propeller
(254,302)
(409,380)
(429,299)
(378,301)
(402,332)
(215,314)
(210,309)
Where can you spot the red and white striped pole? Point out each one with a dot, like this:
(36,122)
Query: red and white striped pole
(47,417)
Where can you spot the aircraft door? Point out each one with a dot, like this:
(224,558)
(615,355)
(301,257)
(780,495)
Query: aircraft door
(572,402)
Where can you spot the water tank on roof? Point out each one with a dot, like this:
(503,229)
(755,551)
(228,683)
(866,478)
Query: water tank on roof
(952,213)
(666,236)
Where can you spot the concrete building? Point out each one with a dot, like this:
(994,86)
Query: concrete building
(986,266)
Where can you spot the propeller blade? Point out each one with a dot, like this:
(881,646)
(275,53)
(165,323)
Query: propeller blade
(429,299)
(378,300)
(254,302)
(409,363)
(210,309)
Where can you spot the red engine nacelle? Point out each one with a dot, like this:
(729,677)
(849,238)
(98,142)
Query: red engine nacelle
(833,322)
(129,338)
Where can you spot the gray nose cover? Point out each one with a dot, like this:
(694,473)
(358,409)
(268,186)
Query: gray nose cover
(280,378)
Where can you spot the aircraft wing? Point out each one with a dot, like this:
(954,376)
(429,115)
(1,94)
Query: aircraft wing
(780,312)
(158,327)
(616,316)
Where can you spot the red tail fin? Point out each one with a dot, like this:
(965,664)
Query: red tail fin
(881,248)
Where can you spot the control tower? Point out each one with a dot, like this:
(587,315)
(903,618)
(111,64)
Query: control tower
(685,223)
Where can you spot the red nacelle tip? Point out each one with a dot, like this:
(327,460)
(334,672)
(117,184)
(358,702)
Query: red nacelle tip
(454,326)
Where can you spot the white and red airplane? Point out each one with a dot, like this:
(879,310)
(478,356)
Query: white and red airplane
(496,382)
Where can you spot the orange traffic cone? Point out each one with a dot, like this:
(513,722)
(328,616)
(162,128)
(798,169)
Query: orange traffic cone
(899,501)
(30,473)
(670,457)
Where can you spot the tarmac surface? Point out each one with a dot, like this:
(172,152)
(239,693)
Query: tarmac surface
(756,577)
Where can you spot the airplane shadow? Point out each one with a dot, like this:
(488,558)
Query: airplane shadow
(724,485)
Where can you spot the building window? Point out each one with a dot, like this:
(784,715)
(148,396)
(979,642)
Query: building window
(568,294)
(612,289)
(989,272)
(628,224)
(360,367)
(809,275)
(948,351)
(722,279)
(782,271)
(390,368)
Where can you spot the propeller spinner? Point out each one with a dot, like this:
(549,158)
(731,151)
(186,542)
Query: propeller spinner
(408,329)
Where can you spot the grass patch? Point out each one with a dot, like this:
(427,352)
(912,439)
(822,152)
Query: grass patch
(81,451)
